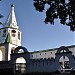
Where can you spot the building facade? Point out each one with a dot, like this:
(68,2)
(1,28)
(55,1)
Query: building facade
(19,60)
(10,36)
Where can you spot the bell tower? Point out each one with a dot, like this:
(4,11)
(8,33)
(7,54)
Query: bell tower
(10,36)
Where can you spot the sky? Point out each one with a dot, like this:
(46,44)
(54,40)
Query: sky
(36,35)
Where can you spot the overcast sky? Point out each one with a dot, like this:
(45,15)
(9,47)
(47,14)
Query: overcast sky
(36,35)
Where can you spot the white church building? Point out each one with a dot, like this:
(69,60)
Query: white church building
(18,59)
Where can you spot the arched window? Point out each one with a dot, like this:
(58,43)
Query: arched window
(19,35)
(62,51)
(20,60)
(21,51)
(20,65)
(1,55)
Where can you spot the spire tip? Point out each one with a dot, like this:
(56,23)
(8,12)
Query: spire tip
(12,5)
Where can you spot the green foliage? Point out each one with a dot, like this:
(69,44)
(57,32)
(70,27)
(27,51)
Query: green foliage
(62,9)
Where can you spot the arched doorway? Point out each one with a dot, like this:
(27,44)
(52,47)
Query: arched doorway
(64,62)
(21,60)
(1,55)
(20,65)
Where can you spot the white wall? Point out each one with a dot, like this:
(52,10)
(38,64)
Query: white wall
(43,54)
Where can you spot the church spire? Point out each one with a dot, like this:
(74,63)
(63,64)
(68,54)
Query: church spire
(11,19)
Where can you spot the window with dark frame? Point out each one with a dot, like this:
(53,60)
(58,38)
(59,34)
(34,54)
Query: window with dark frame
(40,53)
(45,53)
(51,52)
(19,35)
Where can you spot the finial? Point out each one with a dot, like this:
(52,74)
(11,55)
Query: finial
(12,5)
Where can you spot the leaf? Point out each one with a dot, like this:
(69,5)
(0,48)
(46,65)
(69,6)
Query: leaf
(58,9)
